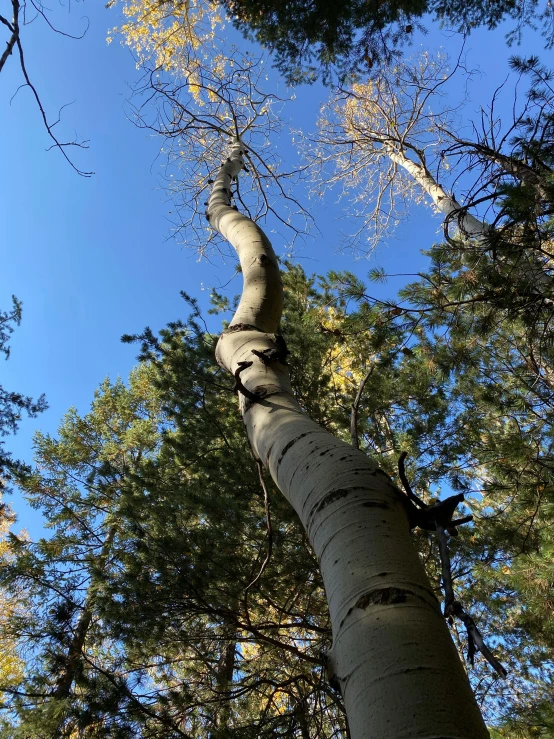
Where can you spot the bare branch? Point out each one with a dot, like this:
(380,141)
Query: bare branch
(15,42)
(268,524)
(355,407)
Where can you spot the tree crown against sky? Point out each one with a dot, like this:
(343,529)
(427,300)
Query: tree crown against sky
(344,38)
(399,138)
(391,309)
(13,405)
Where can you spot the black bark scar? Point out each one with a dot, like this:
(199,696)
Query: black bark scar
(241,327)
(240,388)
(277,353)
(290,444)
(384,597)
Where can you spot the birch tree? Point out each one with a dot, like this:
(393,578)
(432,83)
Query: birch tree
(392,658)
(394,141)
(167,640)
(171,600)
(399,138)
(382,609)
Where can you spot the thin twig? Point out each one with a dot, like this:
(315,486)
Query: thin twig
(355,407)
(14,28)
(269,527)
(446,569)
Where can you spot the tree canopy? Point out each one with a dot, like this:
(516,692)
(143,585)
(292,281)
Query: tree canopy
(138,491)
(178,593)
(322,37)
(13,404)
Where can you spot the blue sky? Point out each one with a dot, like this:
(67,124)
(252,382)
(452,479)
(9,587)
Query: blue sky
(93,258)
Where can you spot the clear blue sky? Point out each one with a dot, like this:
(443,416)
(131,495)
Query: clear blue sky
(91,259)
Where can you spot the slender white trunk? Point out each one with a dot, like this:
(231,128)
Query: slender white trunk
(392,655)
(471,227)
(447,204)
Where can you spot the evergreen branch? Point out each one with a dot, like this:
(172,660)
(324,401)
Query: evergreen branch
(121,684)
(255,631)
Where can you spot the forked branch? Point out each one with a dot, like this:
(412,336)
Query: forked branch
(438,518)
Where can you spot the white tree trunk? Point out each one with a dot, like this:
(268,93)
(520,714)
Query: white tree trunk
(471,227)
(447,204)
(392,655)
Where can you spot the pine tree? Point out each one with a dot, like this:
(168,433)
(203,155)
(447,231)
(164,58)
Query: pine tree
(13,404)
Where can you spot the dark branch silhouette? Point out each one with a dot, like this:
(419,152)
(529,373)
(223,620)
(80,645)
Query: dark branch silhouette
(14,42)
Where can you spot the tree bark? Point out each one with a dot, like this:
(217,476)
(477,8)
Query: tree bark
(471,227)
(220,716)
(392,655)
(447,204)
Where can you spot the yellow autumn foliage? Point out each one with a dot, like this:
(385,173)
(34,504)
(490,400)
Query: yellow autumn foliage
(11,665)
(171,36)
(347,371)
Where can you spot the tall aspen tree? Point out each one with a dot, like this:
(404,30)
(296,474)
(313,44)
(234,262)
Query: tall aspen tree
(392,657)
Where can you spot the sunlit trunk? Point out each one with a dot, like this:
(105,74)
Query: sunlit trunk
(446,203)
(539,283)
(392,655)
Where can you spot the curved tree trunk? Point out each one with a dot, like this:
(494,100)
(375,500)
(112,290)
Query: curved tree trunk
(392,655)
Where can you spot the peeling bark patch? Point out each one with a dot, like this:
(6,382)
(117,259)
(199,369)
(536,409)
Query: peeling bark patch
(290,444)
(383,597)
(332,497)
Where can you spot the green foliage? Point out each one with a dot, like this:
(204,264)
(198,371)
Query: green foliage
(174,646)
(158,524)
(321,37)
(486,328)
(12,404)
